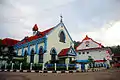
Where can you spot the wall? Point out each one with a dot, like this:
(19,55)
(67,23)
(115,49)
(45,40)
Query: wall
(53,41)
(95,54)
(31,47)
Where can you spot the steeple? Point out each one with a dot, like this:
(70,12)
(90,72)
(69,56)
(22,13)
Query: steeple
(35,29)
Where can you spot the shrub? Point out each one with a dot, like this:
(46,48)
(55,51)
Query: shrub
(37,66)
(9,66)
(25,66)
(3,67)
(16,66)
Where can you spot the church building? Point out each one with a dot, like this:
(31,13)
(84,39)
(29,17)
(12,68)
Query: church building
(53,45)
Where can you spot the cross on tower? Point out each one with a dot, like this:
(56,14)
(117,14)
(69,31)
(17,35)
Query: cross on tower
(61,18)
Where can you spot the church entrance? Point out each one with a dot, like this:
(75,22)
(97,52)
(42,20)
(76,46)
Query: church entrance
(53,54)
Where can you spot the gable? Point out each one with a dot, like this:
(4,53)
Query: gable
(53,38)
(88,43)
(71,52)
(67,52)
(61,27)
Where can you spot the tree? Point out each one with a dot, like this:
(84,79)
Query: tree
(0,41)
(91,60)
(0,47)
(76,43)
(115,49)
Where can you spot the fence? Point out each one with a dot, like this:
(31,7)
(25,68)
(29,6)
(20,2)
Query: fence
(39,66)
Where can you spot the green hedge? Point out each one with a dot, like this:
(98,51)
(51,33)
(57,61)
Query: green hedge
(37,66)
(9,66)
(25,66)
(16,66)
(3,67)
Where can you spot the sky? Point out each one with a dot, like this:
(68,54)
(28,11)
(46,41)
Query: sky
(99,19)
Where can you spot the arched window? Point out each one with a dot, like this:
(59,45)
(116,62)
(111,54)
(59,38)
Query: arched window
(25,56)
(53,55)
(41,55)
(62,36)
(25,53)
(32,56)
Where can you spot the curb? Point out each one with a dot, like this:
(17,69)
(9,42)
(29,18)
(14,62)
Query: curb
(45,71)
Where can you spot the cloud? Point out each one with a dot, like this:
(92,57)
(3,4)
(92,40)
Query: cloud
(107,35)
(81,17)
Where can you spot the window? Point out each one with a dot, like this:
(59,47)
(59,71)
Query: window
(25,54)
(41,55)
(87,45)
(62,37)
(40,58)
(83,52)
(71,51)
(79,52)
(87,52)
(32,56)
(53,55)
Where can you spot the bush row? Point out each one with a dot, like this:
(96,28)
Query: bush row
(26,66)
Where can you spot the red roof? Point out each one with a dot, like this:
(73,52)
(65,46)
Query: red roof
(35,28)
(64,52)
(88,38)
(9,42)
(99,61)
(38,35)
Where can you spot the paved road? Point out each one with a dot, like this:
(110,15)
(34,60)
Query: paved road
(103,75)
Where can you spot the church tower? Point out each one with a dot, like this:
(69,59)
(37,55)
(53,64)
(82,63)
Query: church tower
(35,29)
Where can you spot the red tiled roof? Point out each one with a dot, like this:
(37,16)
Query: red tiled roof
(9,42)
(35,28)
(39,35)
(87,38)
(46,31)
(64,52)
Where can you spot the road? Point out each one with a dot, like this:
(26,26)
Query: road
(102,75)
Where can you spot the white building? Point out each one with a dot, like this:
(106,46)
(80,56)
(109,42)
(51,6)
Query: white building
(90,48)
(49,46)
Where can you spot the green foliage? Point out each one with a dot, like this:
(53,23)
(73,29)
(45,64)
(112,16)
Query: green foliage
(90,59)
(16,66)
(0,46)
(3,67)
(26,66)
(76,43)
(0,41)
(9,66)
(115,49)
(37,66)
